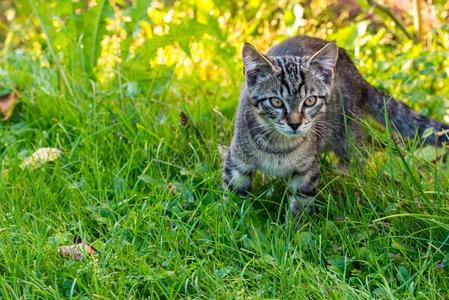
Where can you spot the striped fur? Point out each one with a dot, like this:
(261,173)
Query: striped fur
(293,107)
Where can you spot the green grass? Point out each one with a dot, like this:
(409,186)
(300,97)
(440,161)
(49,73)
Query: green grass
(145,190)
(144,187)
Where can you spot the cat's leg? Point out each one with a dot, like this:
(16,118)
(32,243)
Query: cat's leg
(237,175)
(302,186)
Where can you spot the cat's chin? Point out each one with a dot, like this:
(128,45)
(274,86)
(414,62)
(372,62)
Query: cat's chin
(293,134)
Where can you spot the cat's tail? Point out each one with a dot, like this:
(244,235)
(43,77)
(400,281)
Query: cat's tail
(403,118)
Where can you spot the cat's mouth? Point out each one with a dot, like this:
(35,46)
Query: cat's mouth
(293,133)
(289,132)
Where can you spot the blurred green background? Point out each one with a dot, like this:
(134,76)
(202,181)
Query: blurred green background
(199,41)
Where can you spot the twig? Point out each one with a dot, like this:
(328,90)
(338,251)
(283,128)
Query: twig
(418,19)
(388,12)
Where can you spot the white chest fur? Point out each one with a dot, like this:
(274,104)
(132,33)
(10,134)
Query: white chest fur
(280,165)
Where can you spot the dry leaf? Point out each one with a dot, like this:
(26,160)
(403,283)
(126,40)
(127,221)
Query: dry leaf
(40,157)
(171,187)
(7,104)
(77,251)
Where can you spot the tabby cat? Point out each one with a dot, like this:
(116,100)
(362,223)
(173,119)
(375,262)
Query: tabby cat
(300,99)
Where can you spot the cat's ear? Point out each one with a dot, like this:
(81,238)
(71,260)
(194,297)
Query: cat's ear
(324,61)
(256,65)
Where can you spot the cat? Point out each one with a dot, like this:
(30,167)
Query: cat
(300,99)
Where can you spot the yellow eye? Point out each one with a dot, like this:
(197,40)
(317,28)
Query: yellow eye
(275,102)
(310,101)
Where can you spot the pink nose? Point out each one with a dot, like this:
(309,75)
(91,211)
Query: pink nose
(294,119)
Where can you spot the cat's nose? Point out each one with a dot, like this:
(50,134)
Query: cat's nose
(294,126)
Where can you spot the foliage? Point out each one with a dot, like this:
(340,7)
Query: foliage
(107,82)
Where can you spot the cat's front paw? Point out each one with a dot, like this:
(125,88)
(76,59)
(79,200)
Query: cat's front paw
(300,204)
(236,181)
(241,187)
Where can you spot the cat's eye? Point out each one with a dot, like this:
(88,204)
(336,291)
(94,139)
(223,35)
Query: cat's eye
(275,102)
(310,101)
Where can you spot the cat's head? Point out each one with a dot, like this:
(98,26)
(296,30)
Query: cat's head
(290,93)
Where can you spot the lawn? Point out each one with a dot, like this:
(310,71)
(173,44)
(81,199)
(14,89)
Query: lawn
(140,116)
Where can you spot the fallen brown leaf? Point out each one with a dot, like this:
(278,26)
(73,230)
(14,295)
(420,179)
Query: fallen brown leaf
(40,157)
(77,251)
(7,104)
(171,187)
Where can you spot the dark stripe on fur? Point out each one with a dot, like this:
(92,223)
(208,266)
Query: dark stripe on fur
(302,172)
(315,110)
(314,177)
(303,82)
(285,83)
(311,193)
